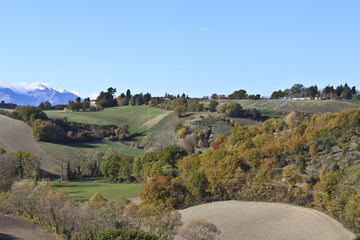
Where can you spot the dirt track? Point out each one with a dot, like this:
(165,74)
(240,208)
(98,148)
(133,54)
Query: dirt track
(17,135)
(267,221)
(16,229)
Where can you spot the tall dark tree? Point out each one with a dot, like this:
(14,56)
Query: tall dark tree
(128,96)
(312,91)
(147,98)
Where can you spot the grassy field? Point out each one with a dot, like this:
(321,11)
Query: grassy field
(287,105)
(83,191)
(139,118)
(79,153)
(156,124)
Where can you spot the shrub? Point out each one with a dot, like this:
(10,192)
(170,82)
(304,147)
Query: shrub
(124,235)
(200,230)
(43,131)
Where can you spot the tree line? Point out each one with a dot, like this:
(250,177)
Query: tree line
(329,92)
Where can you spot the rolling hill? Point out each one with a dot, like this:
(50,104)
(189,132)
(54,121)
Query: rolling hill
(139,119)
(17,135)
(270,221)
(288,105)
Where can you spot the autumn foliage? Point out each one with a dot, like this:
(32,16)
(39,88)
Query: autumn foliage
(307,160)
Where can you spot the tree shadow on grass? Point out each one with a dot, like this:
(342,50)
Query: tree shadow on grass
(87,144)
(76,185)
(4,236)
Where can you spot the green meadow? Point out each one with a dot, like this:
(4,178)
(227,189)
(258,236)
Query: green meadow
(84,190)
(139,118)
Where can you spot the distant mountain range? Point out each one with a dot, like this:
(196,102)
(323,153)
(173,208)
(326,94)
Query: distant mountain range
(34,93)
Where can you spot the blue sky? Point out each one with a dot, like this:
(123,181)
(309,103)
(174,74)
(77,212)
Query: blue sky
(196,47)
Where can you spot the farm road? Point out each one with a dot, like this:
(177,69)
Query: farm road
(17,229)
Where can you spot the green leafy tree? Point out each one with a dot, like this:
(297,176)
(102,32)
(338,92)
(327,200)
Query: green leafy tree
(240,94)
(106,99)
(43,131)
(195,107)
(178,102)
(28,113)
(212,105)
(118,166)
(234,110)
(180,111)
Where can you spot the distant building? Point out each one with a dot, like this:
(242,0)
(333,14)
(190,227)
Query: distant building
(92,103)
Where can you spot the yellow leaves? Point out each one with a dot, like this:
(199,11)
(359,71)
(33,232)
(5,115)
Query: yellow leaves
(290,174)
(70,134)
(181,133)
(353,209)
(313,150)
(328,181)
(291,119)
(96,200)
(253,157)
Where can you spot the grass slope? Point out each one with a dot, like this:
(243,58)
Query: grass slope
(139,118)
(83,191)
(79,153)
(287,105)
(17,135)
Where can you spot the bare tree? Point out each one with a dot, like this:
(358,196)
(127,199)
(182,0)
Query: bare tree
(200,230)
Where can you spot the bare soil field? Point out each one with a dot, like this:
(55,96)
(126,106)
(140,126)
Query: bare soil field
(17,135)
(16,229)
(267,221)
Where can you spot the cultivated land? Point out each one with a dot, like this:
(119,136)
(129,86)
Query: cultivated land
(267,221)
(17,135)
(84,190)
(139,118)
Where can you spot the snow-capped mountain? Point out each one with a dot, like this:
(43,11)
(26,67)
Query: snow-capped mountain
(34,93)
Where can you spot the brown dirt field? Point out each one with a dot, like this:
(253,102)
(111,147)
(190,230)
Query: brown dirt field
(17,135)
(270,221)
(16,229)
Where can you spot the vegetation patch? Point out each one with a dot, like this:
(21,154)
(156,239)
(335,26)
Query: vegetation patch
(83,152)
(84,190)
(288,105)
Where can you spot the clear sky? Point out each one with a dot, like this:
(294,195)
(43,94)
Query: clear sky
(196,47)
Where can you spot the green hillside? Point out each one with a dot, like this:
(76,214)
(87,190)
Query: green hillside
(83,191)
(82,153)
(139,118)
(288,105)
(156,126)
